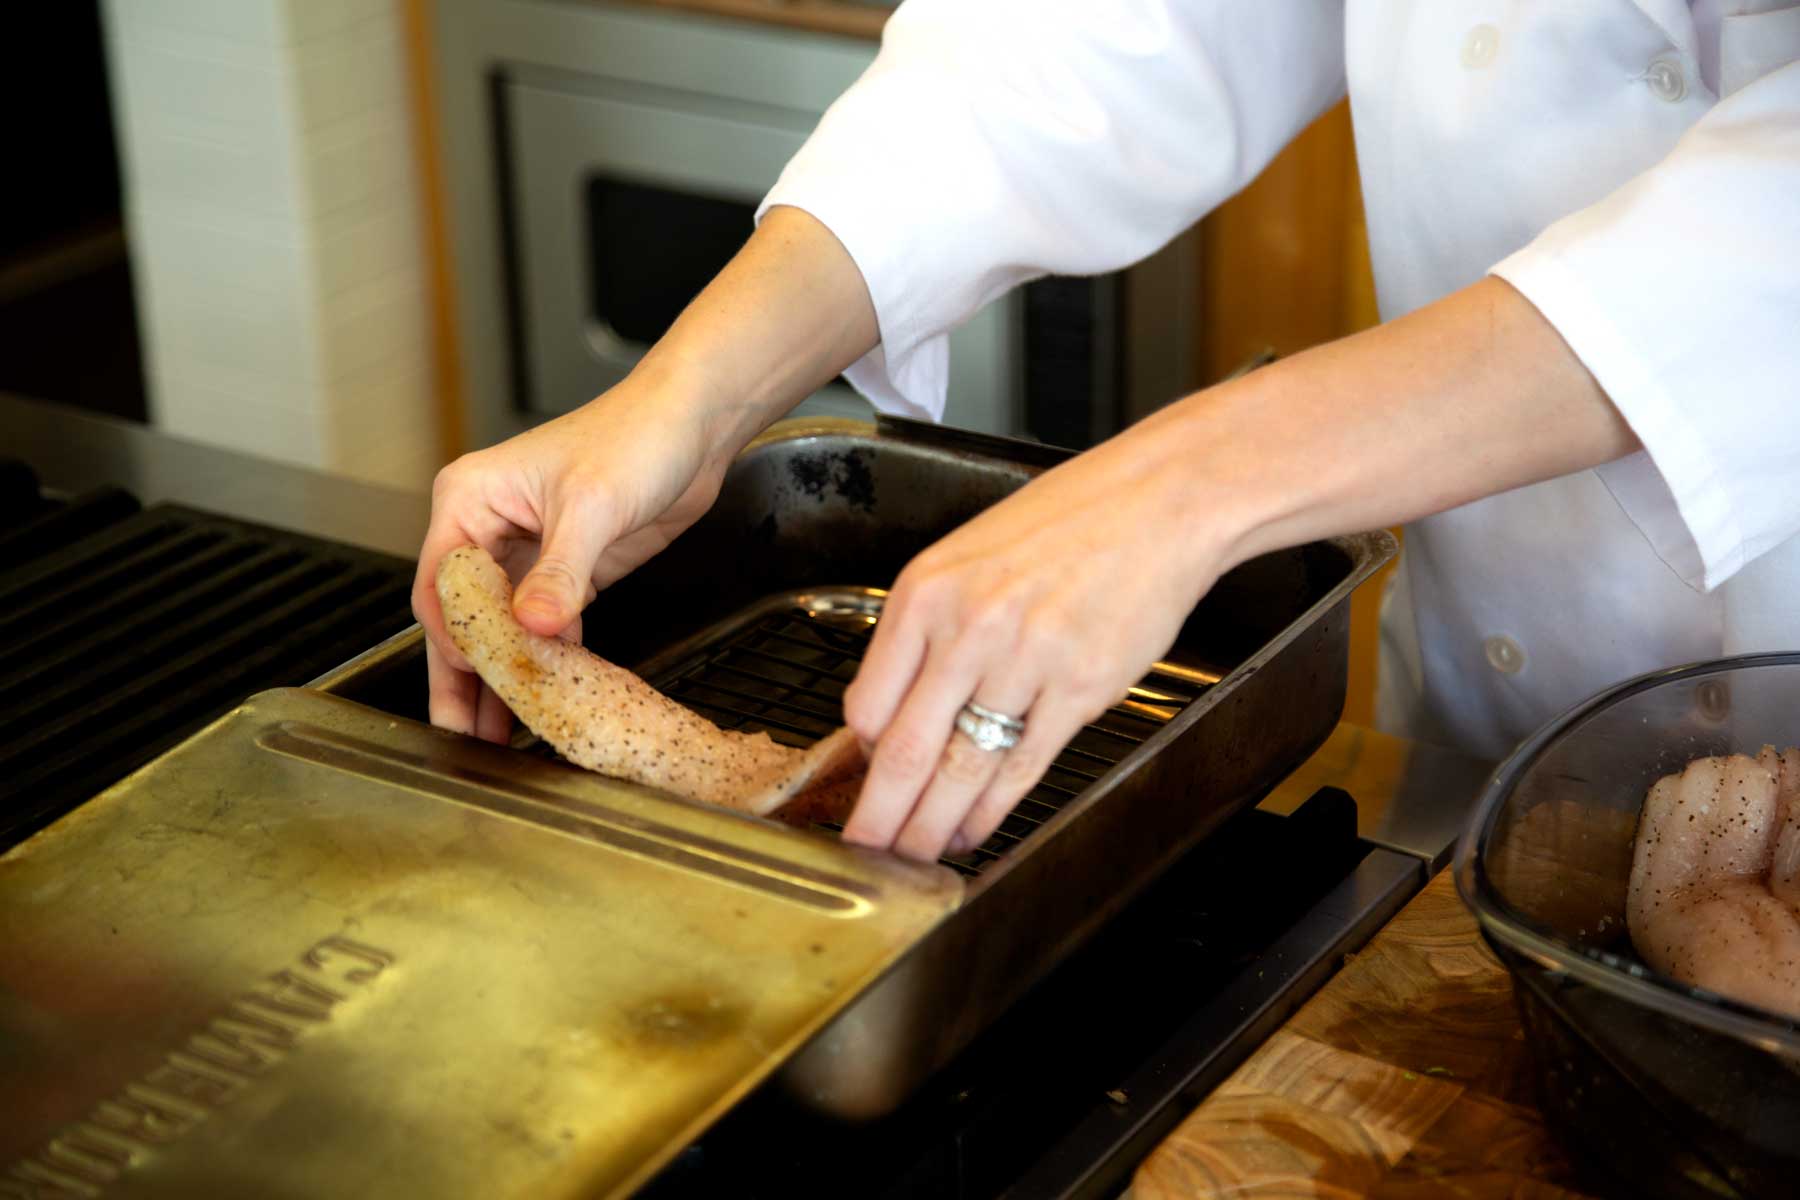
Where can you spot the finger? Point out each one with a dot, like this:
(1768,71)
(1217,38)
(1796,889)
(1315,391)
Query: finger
(889,668)
(493,720)
(453,692)
(909,749)
(963,772)
(1051,725)
(560,584)
(488,530)
(429,613)
(963,775)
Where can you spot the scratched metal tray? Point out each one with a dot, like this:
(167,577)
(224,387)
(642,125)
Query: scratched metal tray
(318,951)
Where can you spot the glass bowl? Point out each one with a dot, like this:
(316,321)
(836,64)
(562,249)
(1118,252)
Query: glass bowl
(1654,1087)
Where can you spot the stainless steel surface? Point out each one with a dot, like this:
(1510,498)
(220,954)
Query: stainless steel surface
(73,451)
(818,506)
(564,130)
(319,951)
(1410,796)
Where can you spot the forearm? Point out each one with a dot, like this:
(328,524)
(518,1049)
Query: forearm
(787,314)
(1471,396)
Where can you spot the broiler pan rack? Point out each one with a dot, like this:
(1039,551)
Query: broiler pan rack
(781,667)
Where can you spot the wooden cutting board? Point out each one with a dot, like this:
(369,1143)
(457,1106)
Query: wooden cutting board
(1405,1076)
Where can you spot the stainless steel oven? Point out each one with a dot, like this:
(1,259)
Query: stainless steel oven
(604,159)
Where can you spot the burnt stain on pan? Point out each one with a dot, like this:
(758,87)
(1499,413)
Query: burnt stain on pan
(856,482)
(846,474)
(810,473)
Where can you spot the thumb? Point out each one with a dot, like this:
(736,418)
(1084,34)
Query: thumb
(560,583)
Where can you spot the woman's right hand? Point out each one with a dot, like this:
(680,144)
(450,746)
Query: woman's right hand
(571,506)
(566,508)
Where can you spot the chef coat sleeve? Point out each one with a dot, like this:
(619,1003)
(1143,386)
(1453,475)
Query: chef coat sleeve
(1681,294)
(994,141)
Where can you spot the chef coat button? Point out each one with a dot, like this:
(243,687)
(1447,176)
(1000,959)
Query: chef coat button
(1480,47)
(1666,80)
(1504,654)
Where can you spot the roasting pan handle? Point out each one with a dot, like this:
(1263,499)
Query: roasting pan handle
(964,441)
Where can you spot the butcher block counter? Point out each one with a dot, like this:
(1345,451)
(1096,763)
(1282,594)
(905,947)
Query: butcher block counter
(1404,1076)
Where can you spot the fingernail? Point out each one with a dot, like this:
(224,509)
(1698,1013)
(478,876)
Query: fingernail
(540,604)
(959,845)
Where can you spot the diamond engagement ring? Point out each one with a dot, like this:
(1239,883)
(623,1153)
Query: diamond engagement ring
(989,730)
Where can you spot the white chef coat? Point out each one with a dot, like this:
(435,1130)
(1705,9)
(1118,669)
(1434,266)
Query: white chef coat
(1631,166)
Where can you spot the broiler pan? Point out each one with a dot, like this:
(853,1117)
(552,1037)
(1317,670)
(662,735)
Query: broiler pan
(833,509)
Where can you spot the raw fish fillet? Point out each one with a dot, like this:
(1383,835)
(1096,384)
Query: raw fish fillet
(602,717)
(1715,879)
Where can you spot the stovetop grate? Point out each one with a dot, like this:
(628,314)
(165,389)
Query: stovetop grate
(785,675)
(122,632)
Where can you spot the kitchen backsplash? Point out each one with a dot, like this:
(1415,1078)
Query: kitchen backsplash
(273,217)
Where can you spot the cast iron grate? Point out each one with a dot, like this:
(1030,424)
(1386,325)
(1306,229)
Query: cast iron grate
(136,630)
(785,675)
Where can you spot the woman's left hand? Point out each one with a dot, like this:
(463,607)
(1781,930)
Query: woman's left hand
(1046,607)
(1052,603)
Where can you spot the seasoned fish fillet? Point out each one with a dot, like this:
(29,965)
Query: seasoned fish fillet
(602,717)
(1715,878)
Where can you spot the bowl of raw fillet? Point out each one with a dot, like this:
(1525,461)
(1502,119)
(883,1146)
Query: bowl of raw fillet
(1636,866)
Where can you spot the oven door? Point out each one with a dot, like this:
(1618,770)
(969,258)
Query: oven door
(627,198)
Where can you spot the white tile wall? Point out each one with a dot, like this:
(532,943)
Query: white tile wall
(272,201)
